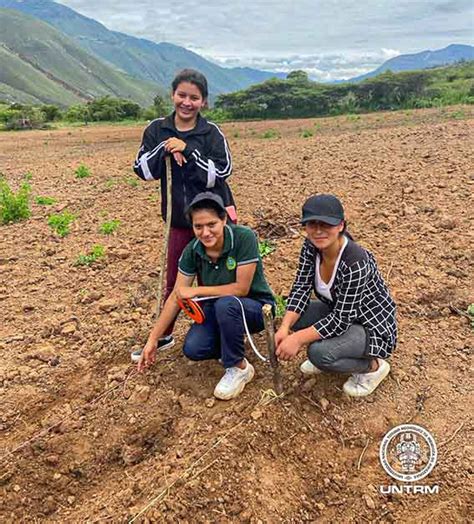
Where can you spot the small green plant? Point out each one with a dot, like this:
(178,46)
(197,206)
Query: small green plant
(108,227)
(265,247)
(352,118)
(458,115)
(470,312)
(280,306)
(110,183)
(271,133)
(98,251)
(14,207)
(28,177)
(131,181)
(82,171)
(306,133)
(45,201)
(61,222)
(317,126)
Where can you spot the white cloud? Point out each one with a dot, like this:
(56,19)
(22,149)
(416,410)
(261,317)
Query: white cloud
(324,37)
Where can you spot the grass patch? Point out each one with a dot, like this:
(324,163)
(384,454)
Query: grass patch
(271,133)
(108,227)
(97,252)
(61,222)
(14,207)
(131,181)
(82,171)
(265,247)
(45,201)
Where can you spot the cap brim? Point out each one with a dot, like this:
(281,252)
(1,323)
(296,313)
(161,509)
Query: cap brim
(332,221)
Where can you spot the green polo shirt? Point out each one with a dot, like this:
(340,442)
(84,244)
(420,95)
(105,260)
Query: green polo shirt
(240,248)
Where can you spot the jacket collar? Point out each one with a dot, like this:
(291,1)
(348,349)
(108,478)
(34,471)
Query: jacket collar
(228,244)
(202,125)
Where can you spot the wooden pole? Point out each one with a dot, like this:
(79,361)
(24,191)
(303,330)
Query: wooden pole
(161,285)
(270,333)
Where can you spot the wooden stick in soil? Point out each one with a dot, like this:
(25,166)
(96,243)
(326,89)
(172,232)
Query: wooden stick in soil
(270,333)
(164,254)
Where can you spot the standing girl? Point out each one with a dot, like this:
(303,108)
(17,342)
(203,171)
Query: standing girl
(201,161)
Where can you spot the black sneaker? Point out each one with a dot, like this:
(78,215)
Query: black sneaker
(163,343)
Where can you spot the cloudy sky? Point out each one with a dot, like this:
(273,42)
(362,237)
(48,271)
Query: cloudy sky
(330,39)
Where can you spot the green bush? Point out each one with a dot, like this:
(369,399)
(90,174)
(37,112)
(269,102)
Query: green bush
(14,207)
(61,222)
(45,201)
(82,171)
(108,227)
(98,251)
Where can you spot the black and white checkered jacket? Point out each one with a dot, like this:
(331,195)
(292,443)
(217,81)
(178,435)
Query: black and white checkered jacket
(359,295)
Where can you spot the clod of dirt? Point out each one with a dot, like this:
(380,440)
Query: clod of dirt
(108,305)
(308,385)
(324,403)
(210,402)
(369,501)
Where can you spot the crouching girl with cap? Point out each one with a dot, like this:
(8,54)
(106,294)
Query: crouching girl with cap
(351,328)
(226,261)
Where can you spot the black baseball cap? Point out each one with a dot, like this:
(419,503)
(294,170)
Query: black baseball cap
(204,197)
(323,208)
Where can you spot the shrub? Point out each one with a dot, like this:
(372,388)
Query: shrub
(108,227)
(82,172)
(14,207)
(98,251)
(45,201)
(61,222)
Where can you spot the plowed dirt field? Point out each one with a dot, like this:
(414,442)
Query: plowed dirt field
(84,438)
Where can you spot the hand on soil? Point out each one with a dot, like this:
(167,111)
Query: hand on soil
(148,356)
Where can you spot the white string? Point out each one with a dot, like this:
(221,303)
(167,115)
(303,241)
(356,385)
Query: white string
(247,332)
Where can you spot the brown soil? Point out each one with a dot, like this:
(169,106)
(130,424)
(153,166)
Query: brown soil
(85,439)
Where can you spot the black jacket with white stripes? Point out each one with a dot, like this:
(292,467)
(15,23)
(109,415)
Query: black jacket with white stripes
(209,163)
(358,293)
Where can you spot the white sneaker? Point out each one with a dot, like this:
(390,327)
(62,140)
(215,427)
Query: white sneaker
(233,382)
(308,368)
(363,384)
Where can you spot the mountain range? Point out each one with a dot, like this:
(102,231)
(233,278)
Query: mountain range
(138,57)
(49,53)
(424,60)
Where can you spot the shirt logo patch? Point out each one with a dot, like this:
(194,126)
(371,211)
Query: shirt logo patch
(231,263)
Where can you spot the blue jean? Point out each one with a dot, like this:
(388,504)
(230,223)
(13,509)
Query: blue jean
(221,335)
(342,354)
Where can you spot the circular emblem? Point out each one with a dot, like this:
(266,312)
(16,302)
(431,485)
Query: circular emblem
(408,453)
(231,263)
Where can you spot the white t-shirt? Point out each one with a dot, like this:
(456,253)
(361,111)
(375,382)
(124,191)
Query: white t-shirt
(323,288)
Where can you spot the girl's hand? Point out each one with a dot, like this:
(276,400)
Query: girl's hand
(148,356)
(174,145)
(179,158)
(185,292)
(289,347)
(281,335)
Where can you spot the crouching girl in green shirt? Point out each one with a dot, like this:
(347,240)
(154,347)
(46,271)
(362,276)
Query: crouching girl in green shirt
(226,261)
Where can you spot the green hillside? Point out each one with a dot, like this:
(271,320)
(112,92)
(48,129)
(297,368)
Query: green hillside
(38,63)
